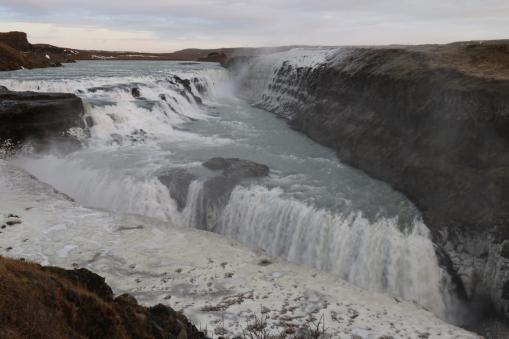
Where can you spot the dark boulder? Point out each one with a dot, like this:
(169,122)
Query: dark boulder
(135,92)
(187,91)
(216,164)
(186,83)
(31,115)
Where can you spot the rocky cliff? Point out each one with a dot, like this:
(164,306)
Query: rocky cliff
(17,53)
(50,302)
(34,115)
(433,121)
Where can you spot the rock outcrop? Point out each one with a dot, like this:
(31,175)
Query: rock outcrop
(226,173)
(16,53)
(433,121)
(33,115)
(51,302)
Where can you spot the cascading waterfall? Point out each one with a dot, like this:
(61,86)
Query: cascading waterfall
(377,256)
(114,115)
(273,81)
(184,116)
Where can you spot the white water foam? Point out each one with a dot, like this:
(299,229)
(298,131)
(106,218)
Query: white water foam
(117,115)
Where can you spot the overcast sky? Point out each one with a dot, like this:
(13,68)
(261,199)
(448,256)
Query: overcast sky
(167,25)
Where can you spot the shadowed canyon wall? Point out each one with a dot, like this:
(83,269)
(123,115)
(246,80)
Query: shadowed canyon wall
(433,121)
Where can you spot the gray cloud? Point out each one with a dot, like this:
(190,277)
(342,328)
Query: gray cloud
(274,22)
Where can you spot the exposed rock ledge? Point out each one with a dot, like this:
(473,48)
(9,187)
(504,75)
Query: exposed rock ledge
(34,115)
(433,121)
(50,302)
(217,187)
(219,284)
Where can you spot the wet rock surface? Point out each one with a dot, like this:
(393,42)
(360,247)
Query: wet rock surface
(34,115)
(226,174)
(431,121)
(235,168)
(178,181)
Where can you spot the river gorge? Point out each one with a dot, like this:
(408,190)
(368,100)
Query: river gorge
(198,145)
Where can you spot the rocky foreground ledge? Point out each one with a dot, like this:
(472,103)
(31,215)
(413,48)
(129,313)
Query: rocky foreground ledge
(38,116)
(50,302)
(433,121)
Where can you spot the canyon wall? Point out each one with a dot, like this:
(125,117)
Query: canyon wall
(433,121)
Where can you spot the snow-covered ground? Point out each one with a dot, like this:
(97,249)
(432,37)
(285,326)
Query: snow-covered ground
(215,281)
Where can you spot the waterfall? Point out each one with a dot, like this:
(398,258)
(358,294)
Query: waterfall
(115,116)
(132,138)
(377,256)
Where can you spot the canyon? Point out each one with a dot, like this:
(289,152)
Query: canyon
(425,123)
(430,120)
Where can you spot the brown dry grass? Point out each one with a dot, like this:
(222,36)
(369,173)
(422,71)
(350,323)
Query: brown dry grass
(485,59)
(51,303)
(39,304)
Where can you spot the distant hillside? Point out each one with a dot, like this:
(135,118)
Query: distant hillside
(16,52)
(190,54)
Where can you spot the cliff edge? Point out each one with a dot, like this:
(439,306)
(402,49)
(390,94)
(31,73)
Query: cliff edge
(17,53)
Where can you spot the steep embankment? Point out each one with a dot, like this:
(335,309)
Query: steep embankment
(16,53)
(433,121)
(50,302)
